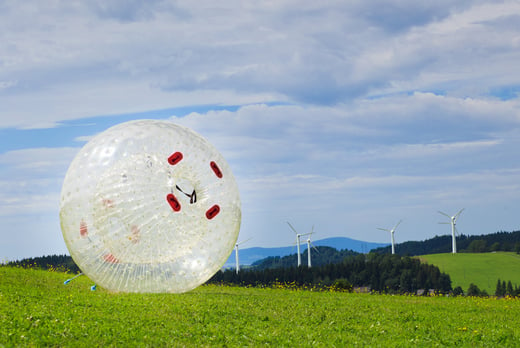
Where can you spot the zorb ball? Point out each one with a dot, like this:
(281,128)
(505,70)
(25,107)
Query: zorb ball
(149,206)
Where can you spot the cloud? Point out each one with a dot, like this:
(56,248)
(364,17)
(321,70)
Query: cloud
(447,53)
(41,160)
(30,184)
(374,151)
(30,180)
(318,161)
(84,138)
(91,58)
(418,127)
(128,11)
(23,205)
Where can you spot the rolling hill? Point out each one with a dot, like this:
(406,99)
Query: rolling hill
(482,269)
(498,241)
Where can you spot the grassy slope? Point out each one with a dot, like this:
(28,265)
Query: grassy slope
(482,269)
(36,309)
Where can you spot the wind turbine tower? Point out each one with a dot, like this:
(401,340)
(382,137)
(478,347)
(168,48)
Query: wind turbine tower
(392,231)
(309,263)
(237,264)
(453,220)
(298,235)
(309,245)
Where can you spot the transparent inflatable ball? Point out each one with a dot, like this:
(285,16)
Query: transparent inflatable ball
(149,206)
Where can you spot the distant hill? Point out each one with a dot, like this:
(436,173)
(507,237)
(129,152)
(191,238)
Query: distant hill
(481,269)
(248,256)
(499,241)
(320,256)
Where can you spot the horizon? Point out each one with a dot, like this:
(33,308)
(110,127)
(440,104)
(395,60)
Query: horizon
(304,246)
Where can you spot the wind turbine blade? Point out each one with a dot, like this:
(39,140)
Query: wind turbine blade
(397,225)
(457,215)
(312,245)
(292,228)
(440,212)
(383,229)
(445,223)
(247,240)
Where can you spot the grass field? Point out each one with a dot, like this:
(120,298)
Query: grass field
(36,309)
(482,269)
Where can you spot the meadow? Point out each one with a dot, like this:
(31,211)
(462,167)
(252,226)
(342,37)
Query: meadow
(482,269)
(37,309)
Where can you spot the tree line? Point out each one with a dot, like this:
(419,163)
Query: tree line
(63,263)
(320,256)
(503,289)
(506,289)
(378,272)
(498,241)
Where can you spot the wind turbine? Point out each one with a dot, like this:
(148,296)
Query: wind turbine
(392,231)
(237,265)
(453,219)
(309,244)
(298,235)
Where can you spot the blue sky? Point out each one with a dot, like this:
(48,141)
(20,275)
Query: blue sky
(348,116)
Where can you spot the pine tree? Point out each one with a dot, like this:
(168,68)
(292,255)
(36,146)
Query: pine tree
(473,290)
(509,290)
(498,291)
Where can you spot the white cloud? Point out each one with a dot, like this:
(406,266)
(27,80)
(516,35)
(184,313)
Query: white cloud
(29,204)
(84,138)
(30,181)
(417,127)
(84,59)
(104,99)
(318,161)
(464,54)
(415,151)
(30,184)
(50,160)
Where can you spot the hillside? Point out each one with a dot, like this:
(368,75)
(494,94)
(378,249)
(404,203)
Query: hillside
(498,241)
(320,255)
(482,269)
(248,256)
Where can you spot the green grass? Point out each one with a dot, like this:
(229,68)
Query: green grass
(482,269)
(36,309)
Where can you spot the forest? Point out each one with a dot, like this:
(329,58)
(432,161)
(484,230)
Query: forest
(377,272)
(321,255)
(63,263)
(498,241)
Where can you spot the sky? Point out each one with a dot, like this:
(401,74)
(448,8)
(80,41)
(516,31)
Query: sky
(343,115)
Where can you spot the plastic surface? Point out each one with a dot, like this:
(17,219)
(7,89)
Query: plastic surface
(149,206)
